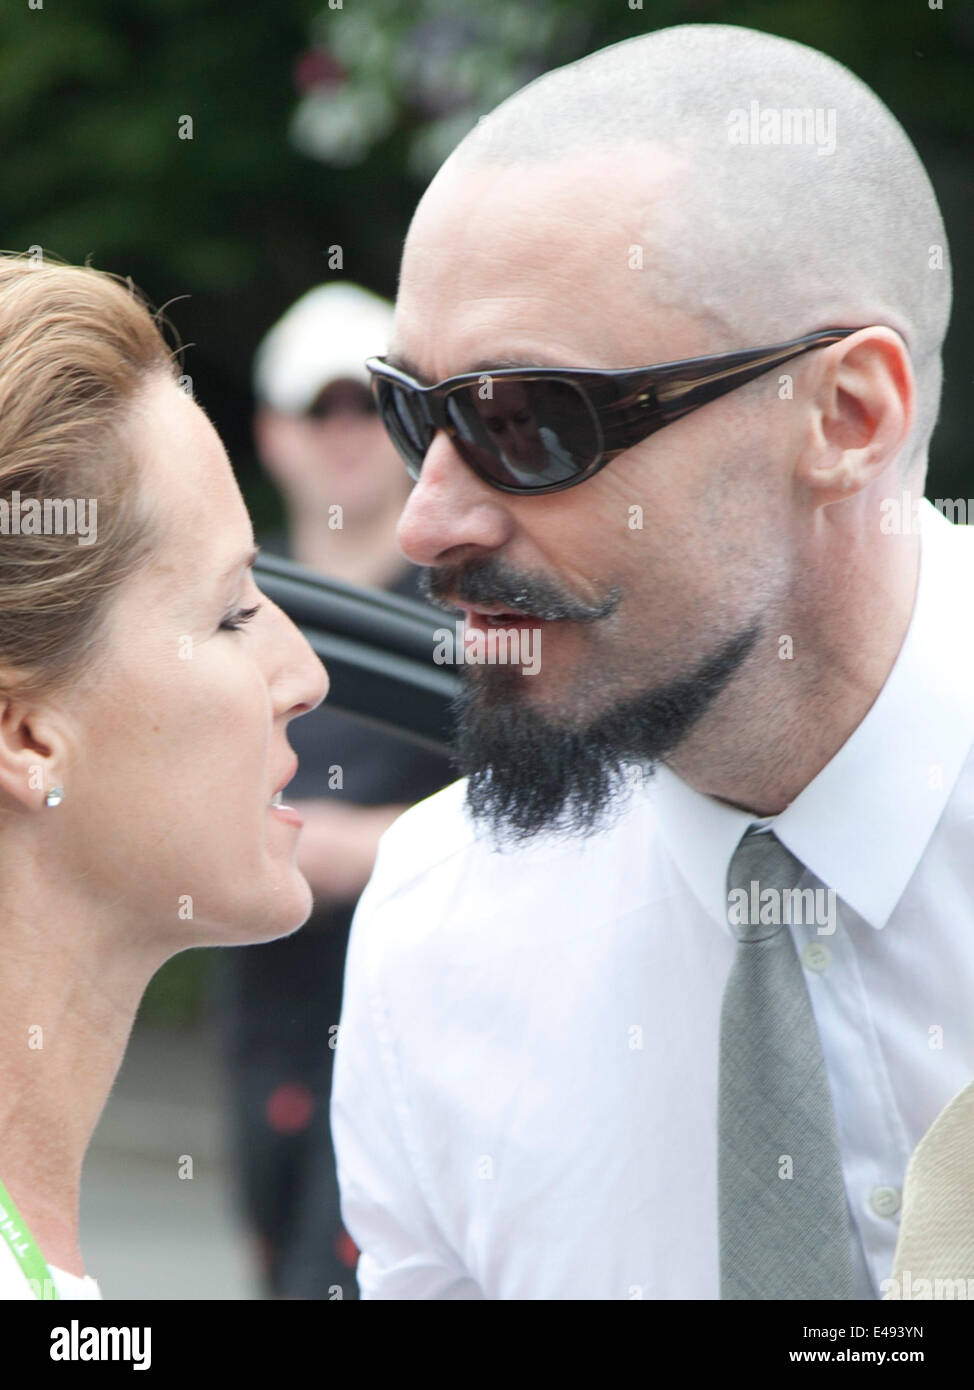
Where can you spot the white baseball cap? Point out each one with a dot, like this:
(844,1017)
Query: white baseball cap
(325,336)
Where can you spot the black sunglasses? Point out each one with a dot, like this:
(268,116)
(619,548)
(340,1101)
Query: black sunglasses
(543,429)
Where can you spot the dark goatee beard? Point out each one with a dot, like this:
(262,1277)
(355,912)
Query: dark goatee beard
(529,774)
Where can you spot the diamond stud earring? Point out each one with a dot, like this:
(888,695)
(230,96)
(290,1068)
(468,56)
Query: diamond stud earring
(54,797)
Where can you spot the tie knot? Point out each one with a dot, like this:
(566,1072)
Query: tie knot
(762,876)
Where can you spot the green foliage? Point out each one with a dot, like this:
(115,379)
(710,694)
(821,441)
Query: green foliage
(240,217)
(178,992)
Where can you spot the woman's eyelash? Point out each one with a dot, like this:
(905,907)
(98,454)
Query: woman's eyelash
(235,621)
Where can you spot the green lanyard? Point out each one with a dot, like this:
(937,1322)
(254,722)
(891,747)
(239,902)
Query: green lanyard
(25,1248)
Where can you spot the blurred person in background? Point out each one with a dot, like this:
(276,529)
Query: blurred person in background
(146,689)
(344,487)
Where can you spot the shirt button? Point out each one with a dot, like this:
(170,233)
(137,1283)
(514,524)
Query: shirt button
(816,956)
(885,1201)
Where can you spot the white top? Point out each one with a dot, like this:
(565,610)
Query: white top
(525,1088)
(14,1285)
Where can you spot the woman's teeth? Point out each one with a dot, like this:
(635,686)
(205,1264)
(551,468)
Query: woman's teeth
(277,799)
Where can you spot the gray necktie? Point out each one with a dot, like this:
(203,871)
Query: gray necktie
(781,1237)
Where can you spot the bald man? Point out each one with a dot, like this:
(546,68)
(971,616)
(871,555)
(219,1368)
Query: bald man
(657,1000)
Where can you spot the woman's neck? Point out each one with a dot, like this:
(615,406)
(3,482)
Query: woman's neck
(67,1004)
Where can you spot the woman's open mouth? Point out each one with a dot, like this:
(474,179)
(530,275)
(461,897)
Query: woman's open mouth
(277,805)
(282,812)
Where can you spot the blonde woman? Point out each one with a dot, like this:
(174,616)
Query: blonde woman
(146,686)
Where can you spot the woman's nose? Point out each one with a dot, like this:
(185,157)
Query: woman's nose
(301,681)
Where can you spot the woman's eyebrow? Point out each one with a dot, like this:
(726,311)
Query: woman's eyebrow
(244,563)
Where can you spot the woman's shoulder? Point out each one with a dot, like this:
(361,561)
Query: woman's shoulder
(13,1281)
(75,1285)
(15,1286)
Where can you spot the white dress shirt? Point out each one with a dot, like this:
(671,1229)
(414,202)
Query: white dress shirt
(525,1089)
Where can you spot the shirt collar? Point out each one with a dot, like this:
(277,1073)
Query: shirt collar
(862,824)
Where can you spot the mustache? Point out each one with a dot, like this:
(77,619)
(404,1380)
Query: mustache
(494,581)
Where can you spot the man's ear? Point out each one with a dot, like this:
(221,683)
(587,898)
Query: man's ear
(864,407)
(34,753)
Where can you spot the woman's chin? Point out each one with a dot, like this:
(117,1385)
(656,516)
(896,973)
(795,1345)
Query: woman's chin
(284,920)
(281,913)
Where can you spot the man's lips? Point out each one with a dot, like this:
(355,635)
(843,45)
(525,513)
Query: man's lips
(491,611)
(498,617)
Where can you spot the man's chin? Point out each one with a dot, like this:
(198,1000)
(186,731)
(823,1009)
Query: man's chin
(513,815)
(529,775)
(530,772)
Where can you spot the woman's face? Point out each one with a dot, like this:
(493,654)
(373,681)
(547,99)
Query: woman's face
(182,742)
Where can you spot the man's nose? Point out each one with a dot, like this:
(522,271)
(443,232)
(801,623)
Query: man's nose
(450,507)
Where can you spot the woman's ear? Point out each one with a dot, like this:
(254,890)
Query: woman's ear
(34,753)
(864,408)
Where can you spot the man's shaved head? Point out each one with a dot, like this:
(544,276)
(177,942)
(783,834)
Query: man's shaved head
(762,241)
(698,190)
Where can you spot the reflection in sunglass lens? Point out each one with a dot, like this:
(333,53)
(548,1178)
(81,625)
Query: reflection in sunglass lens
(523,432)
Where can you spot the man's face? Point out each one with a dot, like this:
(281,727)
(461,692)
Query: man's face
(336,454)
(652,577)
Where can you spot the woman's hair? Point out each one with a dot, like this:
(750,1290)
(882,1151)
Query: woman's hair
(77,346)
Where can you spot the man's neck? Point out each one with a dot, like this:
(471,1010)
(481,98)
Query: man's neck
(363,551)
(783,720)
